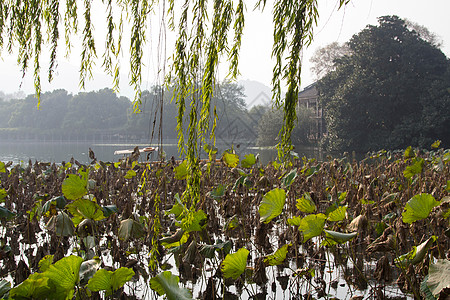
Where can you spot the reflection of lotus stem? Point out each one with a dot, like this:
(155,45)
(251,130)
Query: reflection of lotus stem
(355,265)
(400,266)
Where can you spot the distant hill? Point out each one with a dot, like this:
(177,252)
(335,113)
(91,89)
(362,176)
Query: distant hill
(256,93)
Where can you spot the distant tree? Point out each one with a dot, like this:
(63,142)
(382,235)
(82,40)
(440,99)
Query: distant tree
(146,123)
(272,121)
(233,121)
(6,109)
(424,33)
(53,109)
(256,113)
(383,93)
(109,111)
(228,101)
(16,95)
(50,116)
(324,58)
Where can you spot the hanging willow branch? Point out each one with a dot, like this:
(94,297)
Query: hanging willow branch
(293,22)
(202,43)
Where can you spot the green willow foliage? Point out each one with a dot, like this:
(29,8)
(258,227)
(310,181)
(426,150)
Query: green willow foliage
(203,40)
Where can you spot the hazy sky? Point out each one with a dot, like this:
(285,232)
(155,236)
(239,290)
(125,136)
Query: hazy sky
(255,60)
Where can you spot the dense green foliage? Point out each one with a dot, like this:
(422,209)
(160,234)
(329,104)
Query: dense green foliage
(101,115)
(272,121)
(63,116)
(391,91)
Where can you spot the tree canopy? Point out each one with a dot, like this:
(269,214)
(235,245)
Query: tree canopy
(88,115)
(390,92)
(324,58)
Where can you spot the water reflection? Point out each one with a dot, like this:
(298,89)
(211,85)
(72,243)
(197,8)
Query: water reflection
(59,152)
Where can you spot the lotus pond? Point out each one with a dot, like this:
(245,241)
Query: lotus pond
(338,229)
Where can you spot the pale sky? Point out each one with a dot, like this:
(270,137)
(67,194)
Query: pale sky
(255,60)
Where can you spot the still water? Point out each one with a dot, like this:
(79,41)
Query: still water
(62,152)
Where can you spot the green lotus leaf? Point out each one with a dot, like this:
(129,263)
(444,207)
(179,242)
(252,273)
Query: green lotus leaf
(207,251)
(130,228)
(109,281)
(56,202)
(178,209)
(85,209)
(305,204)
(289,178)
(416,255)
(436,144)
(3,194)
(45,263)
(5,286)
(272,205)
(312,225)
(234,264)
(409,153)
(230,159)
(62,224)
(36,286)
(365,201)
(310,171)
(248,161)
(334,237)
(210,250)
(295,221)
(167,284)
(415,168)
(64,275)
(73,187)
(439,276)
(338,214)
(278,257)
(109,210)
(194,221)
(2,167)
(418,208)
(175,240)
(130,174)
(218,192)
(6,213)
(181,171)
